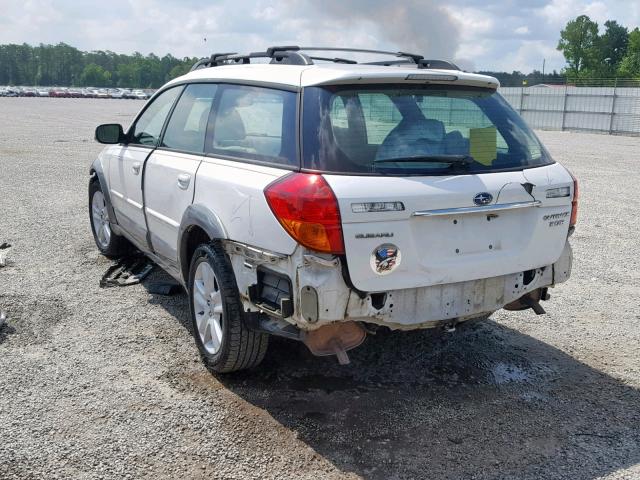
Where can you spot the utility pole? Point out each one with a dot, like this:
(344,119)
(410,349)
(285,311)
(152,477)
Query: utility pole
(544,61)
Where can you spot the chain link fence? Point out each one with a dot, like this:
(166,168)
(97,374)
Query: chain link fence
(604,106)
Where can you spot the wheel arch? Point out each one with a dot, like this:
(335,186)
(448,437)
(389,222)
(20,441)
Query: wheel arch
(198,225)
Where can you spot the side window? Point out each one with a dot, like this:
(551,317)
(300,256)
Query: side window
(255,123)
(147,129)
(188,123)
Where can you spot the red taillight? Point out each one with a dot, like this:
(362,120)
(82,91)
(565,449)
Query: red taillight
(574,202)
(308,210)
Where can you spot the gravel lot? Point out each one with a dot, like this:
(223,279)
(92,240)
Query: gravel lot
(106,383)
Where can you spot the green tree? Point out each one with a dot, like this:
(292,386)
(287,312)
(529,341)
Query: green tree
(95,76)
(612,47)
(179,70)
(630,64)
(579,44)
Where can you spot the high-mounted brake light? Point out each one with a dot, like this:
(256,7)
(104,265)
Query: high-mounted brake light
(307,208)
(432,76)
(574,203)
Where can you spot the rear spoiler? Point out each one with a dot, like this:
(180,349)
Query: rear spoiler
(400,75)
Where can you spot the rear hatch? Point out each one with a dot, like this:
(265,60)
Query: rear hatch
(435,183)
(441,236)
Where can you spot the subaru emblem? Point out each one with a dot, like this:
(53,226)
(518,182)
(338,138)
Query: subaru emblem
(483,198)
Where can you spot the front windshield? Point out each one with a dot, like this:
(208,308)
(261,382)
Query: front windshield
(414,130)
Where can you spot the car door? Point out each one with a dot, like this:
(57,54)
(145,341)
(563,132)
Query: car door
(127,164)
(170,172)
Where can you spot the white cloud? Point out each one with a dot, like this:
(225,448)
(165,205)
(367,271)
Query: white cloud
(529,56)
(472,21)
(489,34)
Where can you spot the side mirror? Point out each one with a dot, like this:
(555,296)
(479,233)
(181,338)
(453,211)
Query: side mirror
(110,133)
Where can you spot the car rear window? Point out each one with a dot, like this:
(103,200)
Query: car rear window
(414,130)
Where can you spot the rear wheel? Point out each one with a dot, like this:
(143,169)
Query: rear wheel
(109,244)
(224,342)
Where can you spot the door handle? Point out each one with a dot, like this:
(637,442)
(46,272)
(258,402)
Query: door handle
(136,167)
(183,180)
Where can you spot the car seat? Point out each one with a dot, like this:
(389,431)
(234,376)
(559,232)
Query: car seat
(413,138)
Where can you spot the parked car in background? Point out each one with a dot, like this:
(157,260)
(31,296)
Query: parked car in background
(115,93)
(139,95)
(74,92)
(59,92)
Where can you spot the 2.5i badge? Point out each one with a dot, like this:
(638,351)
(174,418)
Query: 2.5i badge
(385,259)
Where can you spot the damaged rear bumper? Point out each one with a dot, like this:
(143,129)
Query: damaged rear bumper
(310,291)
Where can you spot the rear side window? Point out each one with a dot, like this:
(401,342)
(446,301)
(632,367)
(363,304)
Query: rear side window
(148,127)
(254,123)
(188,123)
(414,130)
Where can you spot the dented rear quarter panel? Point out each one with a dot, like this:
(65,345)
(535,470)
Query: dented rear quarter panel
(234,191)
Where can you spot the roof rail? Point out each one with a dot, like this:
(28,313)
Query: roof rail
(292,55)
(334,60)
(412,56)
(277,55)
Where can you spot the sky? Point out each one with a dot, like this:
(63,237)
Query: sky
(493,35)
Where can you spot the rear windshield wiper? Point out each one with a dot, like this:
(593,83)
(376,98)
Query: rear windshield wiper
(465,160)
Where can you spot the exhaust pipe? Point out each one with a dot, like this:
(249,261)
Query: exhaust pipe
(335,339)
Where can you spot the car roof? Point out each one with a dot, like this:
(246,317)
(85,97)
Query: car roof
(334,73)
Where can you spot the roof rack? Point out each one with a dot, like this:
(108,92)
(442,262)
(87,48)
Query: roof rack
(292,55)
(282,56)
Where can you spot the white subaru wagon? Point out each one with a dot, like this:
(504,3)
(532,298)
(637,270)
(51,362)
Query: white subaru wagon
(320,199)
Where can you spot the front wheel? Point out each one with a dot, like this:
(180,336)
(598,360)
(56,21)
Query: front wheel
(109,244)
(224,342)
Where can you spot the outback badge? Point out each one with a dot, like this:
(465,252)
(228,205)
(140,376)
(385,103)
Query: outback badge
(385,258)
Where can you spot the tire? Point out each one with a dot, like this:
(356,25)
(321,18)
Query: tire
(109,244)
(217,317)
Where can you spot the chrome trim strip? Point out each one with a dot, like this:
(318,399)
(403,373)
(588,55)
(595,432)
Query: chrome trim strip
(134,203)
(481,209)
(117,194)
(253,253)
(162,218)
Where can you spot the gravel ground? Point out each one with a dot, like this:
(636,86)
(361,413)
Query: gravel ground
(106,383)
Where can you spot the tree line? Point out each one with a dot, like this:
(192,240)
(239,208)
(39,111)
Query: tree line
(590,54)
(64,65)
(519,79)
